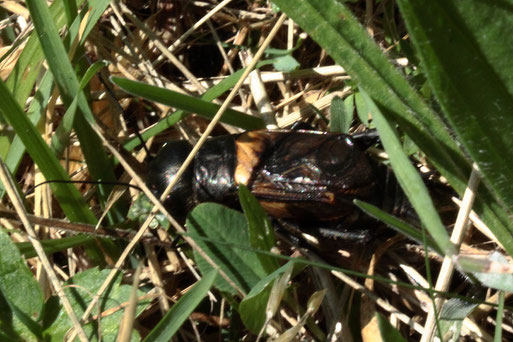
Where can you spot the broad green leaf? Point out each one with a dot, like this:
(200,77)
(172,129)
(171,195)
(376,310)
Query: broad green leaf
(22,299)
(80,289)
(211,221)
(490,277)
(181,310)
(285,63)
(409,179)
(261,232)
(470,74)
(187,103)
(453,312)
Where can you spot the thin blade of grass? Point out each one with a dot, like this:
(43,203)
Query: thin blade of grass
(61,137)
(174,318)
(22,78)
(453,38)
(67,194)
(31,54)
(98,163)
(188,103)
(211,94)
(397,224)
(410,180)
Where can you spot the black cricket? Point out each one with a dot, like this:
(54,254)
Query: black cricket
(303,177)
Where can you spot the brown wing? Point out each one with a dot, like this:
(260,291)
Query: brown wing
(305,174)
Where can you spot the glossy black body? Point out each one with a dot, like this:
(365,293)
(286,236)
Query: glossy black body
(297,175)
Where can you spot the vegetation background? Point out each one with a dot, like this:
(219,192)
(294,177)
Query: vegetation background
(78,79)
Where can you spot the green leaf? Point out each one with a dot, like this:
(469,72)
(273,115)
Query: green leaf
(187,103)
(498,321)
(211,224)
(396,224)
(493,279)
(261,232)
(253,307)
(181,310)
(286,63)
(98,163)
(22,298)
(67,194)
(410,180)
(79,289)
(30,60)
(361,109)
(469,73)
(387,331)
(453,312)
(60,139)
(341,118)
(209,95)
(22,78)
(54,245)
(479,103)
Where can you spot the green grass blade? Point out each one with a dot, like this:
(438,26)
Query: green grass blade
(181,310)
(17,148)
(397,224)
(209,95)
(498,321)
(61,137)
(469,72)
(410,180)
(187,103)
(22,78)
(99,165)
(72,203)
(55,245)
(31,54)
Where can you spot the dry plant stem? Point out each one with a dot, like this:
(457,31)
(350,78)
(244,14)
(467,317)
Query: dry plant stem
(81,228)
(151,35)
(457,236)
(275,76)
(260,94)
(156,277)
(127,324)
(6,179)
(200,22)
(385,305)
(480,225)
